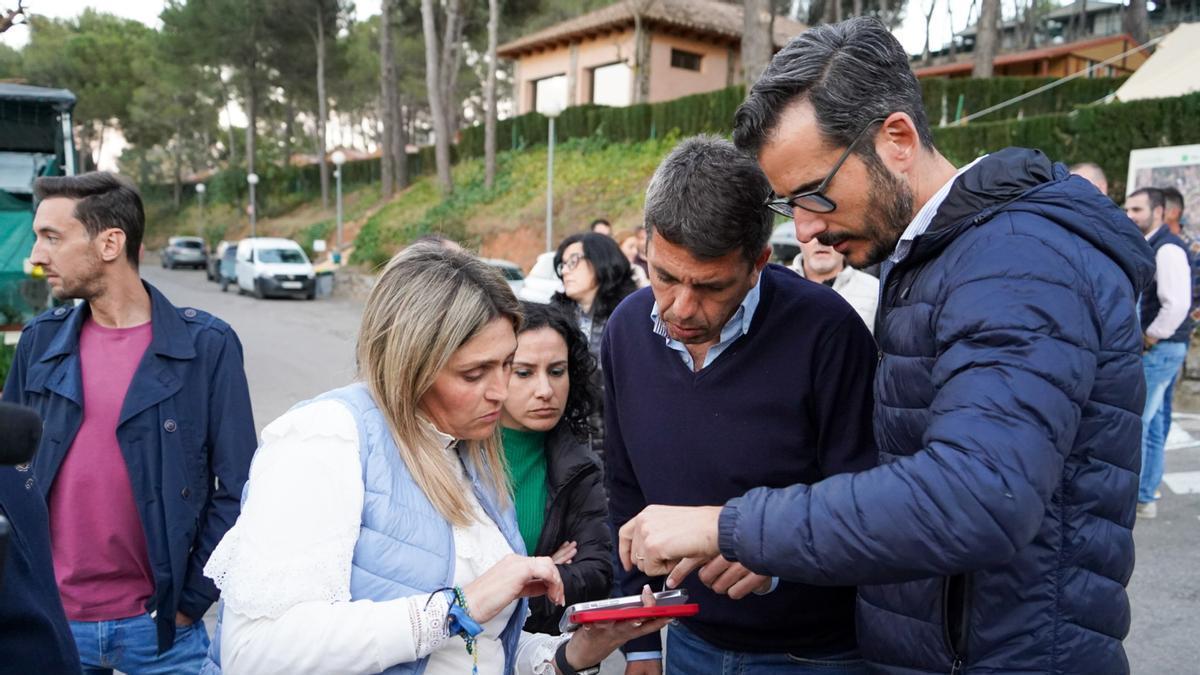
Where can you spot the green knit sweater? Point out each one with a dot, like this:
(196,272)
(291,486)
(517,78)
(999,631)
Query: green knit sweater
(526,455)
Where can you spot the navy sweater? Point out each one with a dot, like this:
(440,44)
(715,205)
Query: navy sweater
(789,402)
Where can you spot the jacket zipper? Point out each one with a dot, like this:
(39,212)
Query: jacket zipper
(957,644)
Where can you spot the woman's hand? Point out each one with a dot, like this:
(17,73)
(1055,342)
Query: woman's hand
(593,642)
(513,577)
(565,553)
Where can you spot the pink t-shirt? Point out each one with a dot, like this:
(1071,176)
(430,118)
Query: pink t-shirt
(96,535)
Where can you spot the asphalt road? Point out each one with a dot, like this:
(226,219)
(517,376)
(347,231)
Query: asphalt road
(296,349)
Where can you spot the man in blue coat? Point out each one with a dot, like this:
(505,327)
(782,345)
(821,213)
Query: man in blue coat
(996,536)
(147,434)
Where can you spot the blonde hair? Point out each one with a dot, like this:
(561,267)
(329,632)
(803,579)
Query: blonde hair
(427,303)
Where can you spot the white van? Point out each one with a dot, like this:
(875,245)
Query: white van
(271,266)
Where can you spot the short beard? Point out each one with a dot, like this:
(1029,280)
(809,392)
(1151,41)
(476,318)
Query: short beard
(889,211)
(87,285)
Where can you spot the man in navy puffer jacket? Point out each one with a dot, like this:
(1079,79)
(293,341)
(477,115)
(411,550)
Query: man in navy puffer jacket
(996,536)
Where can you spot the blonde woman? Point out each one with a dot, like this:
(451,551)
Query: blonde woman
(377,533)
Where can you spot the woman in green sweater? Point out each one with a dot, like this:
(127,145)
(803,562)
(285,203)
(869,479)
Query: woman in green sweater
(556,479)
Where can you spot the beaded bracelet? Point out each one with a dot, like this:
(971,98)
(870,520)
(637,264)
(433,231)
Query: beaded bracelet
(459,622)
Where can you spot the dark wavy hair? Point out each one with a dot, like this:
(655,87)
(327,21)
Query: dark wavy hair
(614,276)
(582,397)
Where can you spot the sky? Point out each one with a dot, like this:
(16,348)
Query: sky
(911,33)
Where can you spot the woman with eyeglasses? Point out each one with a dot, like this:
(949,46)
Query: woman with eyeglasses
(556,479)
(596,277)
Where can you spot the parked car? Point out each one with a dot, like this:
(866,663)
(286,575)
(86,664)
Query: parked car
(512,273)
(784,244)
(185,252)
(213,268)
(271,266)
(541,283)
(227,268)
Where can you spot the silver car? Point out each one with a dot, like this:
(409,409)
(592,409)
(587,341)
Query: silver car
(185,252)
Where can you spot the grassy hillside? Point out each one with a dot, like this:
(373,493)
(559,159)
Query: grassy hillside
(592,179)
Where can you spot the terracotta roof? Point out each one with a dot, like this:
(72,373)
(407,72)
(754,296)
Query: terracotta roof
(707,17)
(1022,57)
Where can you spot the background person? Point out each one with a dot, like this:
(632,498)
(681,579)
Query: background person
(562,509)
(1092,173)
(377,512)
(824,265)
(148,436)
(601,226)
(596,278)
(1167,329)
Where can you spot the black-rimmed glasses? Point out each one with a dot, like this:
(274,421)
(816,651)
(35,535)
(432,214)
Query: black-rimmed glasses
(815,201)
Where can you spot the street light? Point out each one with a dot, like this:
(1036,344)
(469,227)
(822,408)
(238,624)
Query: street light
(252,179)
(551,111)
(339,158)
(200,195)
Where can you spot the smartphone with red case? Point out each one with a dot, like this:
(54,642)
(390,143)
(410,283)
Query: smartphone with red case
(631,613)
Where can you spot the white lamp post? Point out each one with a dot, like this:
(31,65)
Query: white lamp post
(200,195)
(551,111)
(339,158)
(252,179)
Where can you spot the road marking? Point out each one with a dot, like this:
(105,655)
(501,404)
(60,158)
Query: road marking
(1183,482)
(1178,438)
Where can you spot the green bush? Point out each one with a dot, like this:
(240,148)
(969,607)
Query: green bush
(7,352)
(1104,134)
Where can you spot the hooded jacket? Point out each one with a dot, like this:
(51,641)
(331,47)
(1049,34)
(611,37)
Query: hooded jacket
(996,536)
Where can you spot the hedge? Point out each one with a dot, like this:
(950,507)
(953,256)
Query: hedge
(978,94)
(1103,134)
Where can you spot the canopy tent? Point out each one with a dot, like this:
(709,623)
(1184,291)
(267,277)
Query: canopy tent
(1171,71)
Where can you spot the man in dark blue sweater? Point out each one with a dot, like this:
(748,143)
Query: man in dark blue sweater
(729,374)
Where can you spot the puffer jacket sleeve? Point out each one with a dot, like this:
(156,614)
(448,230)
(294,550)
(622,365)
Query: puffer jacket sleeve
(1017,343)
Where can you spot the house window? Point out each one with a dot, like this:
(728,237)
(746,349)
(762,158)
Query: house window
(612,84)
(550,92)
(685,60)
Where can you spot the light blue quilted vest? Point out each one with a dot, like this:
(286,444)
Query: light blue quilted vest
(405,547)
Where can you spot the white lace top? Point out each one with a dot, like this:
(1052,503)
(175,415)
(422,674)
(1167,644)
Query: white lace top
(284,569)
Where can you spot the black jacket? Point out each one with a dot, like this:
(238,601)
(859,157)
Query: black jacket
(34,634)
(576,510)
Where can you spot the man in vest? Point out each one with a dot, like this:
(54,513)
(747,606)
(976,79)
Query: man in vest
(1166,329)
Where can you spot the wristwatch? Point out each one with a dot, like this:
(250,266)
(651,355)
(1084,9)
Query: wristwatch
(560,660)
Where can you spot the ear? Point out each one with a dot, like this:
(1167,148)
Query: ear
(763,259)
(110,244)
(897,143)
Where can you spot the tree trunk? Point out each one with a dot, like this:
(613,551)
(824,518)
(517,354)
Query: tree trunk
(830,11)
(433,83)
(489,95)
(950,16)
(177,159)
(986,38)
(1137,22)
(400,144)
(289,128)
(837,11)
(756,40)
(858,7)
(452,55)
(925,54)
(322,108)
(387,94)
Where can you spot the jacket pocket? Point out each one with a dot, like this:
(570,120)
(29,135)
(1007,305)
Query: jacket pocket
(956,618)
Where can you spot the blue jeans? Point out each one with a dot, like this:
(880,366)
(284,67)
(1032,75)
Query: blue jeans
(131,646)
(688,654)
(1160,365)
